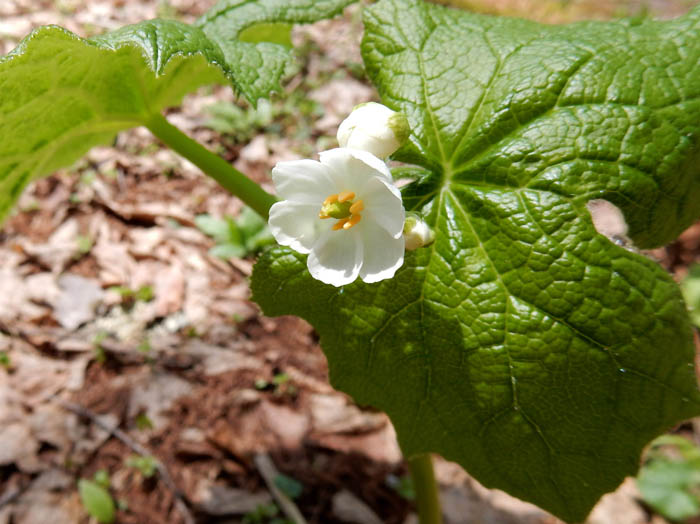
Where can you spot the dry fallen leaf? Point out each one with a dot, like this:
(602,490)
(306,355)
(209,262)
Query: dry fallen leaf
(76,303)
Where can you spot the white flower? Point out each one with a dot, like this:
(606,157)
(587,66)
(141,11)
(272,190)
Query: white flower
(375,128)
(344,211)
(416,232)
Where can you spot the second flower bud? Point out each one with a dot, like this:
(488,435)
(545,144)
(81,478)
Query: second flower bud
(374,128)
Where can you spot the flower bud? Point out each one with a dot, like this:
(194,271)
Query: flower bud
(416,232)
(374,128)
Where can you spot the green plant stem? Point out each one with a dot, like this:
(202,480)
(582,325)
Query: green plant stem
(212,165)
(425,487)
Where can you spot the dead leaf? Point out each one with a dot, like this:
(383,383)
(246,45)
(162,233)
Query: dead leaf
(380,446)
(76,303)
(217,500)
(338,98)
(19,447)
(51,424)
(113,258)
(256,151)
(349,508)
(287,424)
(15,301)
(49,499)
(216,359)
(39,378)
(334,413)
(60,248)
(619,507)
(153,393)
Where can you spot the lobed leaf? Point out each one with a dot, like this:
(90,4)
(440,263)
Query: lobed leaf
(523,344)
(62,94)
(258,66)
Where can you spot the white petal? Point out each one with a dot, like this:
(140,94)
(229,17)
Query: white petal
(304,181)
(369,128)
(380,145)
(383,205)
(345,130)
(351,168)
(296,224)
(336,257)
(383,254)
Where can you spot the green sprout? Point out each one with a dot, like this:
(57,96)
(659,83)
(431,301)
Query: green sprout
(235,238)
(145,464)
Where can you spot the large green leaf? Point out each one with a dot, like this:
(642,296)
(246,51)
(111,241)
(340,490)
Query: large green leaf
(523,344)
(258,66)
(62,94)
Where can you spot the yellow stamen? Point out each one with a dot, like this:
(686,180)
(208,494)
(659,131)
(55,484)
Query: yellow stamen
(322,216)
(330,200)
(339,224)
(351,221)
(357,207)
(345,195)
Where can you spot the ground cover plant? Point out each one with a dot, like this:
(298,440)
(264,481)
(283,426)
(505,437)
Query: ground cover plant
(522,343)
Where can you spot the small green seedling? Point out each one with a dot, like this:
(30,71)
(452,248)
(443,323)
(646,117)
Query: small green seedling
(84,245)
(129,296)
(100,353)
(145,464)
(289,486)
(5,360)
(280,385)
(403,485)
(669,480)
(143,423)
(240,124)
(96,499)
(102,478)
(235,238)
(265,514)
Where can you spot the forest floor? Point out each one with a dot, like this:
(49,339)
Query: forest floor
(122,337)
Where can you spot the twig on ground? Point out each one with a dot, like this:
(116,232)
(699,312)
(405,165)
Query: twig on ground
(268,471)
(136,448)
(13,494)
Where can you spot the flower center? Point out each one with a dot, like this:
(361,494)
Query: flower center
(344,208)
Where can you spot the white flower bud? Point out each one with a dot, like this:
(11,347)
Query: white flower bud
(374,128)
(416,232)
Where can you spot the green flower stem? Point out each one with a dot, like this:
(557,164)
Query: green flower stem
(213,165)
(427,499)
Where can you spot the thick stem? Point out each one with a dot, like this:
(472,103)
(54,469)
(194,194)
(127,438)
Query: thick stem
(426,489)
(212,165)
